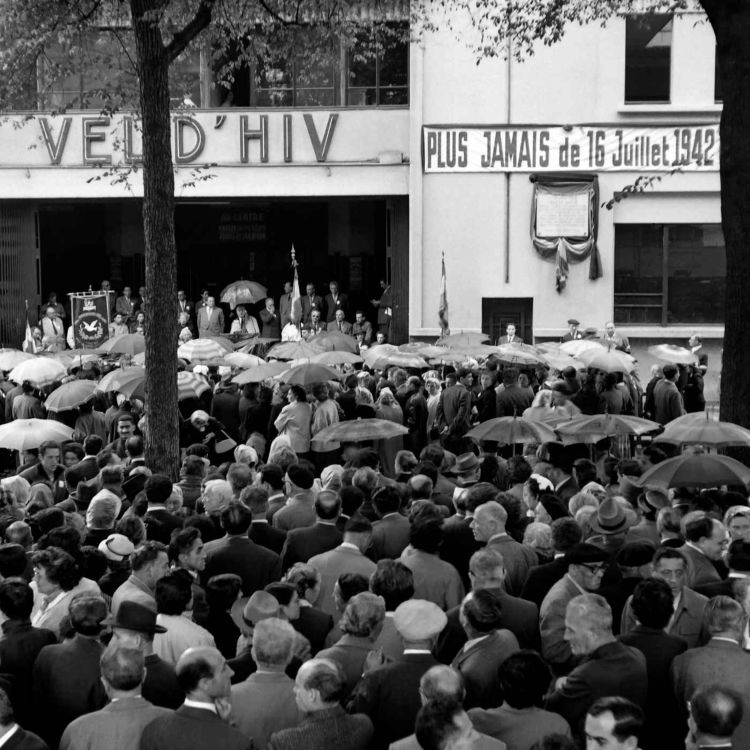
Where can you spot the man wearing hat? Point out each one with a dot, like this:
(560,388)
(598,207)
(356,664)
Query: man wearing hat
(299,510)
(134,626)
(634,564)
(454,412)
(610,524)
(467,469)
(573,333)
(390,695)
(650,502)
(586,566)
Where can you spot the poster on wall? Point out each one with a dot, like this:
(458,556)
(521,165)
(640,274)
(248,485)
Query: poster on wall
(90,316)
(562,214)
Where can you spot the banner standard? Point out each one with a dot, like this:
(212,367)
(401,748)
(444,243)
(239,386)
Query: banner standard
(479,148)
(90,316)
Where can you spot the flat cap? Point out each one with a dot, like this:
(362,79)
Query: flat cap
(419,620)
(584,552)
(573,322)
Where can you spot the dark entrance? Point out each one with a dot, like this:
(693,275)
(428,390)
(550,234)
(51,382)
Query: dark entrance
(499,312)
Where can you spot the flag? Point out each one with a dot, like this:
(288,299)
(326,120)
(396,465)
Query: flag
(296,313)
(443,306)
(29,345)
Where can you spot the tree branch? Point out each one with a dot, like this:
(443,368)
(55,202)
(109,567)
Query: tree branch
(199,21)
(275,15)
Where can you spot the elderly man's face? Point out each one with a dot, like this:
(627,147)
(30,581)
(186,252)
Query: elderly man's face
(339,316)
(482,526)
(315,316)
(610,329)
(310,289)
(577,634)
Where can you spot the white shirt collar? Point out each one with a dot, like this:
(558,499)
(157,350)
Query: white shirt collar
(576,584)
(349,545)
(200,704)
(497,536)
(4,739)
(417,651)
(693,546)
(471,642)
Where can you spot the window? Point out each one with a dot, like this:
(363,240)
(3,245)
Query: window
(648,53)
(378,71)
(668,274)
(718,91)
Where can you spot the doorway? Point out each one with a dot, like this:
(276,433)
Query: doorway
(499,312)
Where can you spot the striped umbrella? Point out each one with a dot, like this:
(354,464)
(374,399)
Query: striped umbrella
(199,351)
(359,430)
(190,385)
(39,371)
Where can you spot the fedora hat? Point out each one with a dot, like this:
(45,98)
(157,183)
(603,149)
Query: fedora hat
(134,616)
(610,518)
(465,463)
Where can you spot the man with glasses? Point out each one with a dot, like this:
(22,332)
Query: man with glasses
(706,541)
(586,567)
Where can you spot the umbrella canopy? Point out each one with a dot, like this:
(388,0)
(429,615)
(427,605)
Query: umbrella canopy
(578,346)
(189,385)
(512,430)
(462,339)
(376,351)
(260,373)
(605,425)
(473,350)
(243,360)
(336,358)
(561,361)
(39,371)
(696,470)
(448,356)
(26,434)
(123,379)
(294,350)
(398,359)
(309,374)
(359,430)
(678,355)
(243,292)
(519,354)
(699,429)
(127,343)
(11,358)
(199,351)
(336,341)
(608,361)
(424,350)
(70,395)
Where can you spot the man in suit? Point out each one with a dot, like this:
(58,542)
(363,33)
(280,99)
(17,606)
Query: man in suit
(65,679)
(489,527)
(20,644)
(120,724)
(653,607)
(566,533)
(608,667)
(668,403)
(613,340)
(384,306)
(261,531)
(715,714)
(236,553)
(202,301)
(311,301)
(86,468)
(510,336)
(459,543)
(573,333)
(390,535)
(264,703)
(453,418)
(362,327)
(149,563)
(389,695)
(586,565)
(706,540)
(721,661)
(303,543)
(270,320)
(319,688)
(613,722)
(316,325)
(125,305)
(340,324)
(487,572)
(160,523)
(210,319)
(298,509)
(348,557)
(335,301)
(285,305)
(512,400)
(14,737)
(488,646)
(184,305)
(202,720)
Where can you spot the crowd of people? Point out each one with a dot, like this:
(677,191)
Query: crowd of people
(420,591)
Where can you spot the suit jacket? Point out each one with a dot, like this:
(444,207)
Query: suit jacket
(330,728)
(285,309)
(350,652)
(518,560)
(256,565)
(314,624)
(389,695)
(390,536)
(459,544)
(701,571)
(267,536)
(346,327)
(134,591)
(264,704)
(434,579)
(389,641)
(85,469)
(662,714)
(126,307)
(160,524)
(331,565)
(482,742)
(270,324)
(617,341)
(297,512)
(519,728)
(192,729)
(340,303)
(555,649)
(479,664)
(117,726)
(210,324)
(612,669)
(23,740)
(541,578)
(308,305)
(454,410)
(719,662)
(66,685)
(160,686)
(668,403)
(306,542)
(509,340)
(512,400)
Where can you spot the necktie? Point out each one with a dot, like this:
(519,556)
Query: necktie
(340,327)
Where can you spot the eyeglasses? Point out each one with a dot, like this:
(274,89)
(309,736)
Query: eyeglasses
(595,569)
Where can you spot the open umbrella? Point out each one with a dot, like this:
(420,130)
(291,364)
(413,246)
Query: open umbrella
(696,470)
(447,356)
(578,346)
(39,371)
(605,425)
(260,373)
(700,429)
(678,355)
(336,341)
(336,358)
(309,374)
(376,351)
(359,430)
(512,430)
(199,351)
(423,350)
(462,339)
(127,343)
(519,354)
(11,358)
(189,385)
(70,395)
(243,292)
(398,359)
(26,434)
(122,379)
(294,350)
(243,360)
(608,361)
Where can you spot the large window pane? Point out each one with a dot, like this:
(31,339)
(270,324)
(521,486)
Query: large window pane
(648,54)
(638,273)
(379,68)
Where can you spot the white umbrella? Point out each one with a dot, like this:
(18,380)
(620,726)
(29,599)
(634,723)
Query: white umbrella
(27,434)
(39,371)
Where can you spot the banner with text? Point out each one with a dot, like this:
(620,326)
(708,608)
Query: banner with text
(477,148)
(90,315)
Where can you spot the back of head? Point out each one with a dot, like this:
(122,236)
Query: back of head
(594,611)
(698,527)
(437,724)
(725,616)
(716,710)
(327,505)
(256,499)
(158,489)
(87,613)
(524,678)
(365,479)
(134,446)
(387,500)
(173,593)
(236,519)
(653,603)
(239,476)
(194,665)
(483,611)
(16,599)
(392,581)
(442,683)
(351,500)
(325,676)
(273,643)
(426,533)
(566,533)
(351,584)
(122,668)
(363,616)
(421,487)
(480,494)
(13,560)
(628,717)
(146,554)
(222,591)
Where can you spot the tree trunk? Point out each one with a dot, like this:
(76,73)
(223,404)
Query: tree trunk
(731,24)
(162,429)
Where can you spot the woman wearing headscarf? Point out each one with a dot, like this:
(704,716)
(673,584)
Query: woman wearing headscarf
(388,408)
